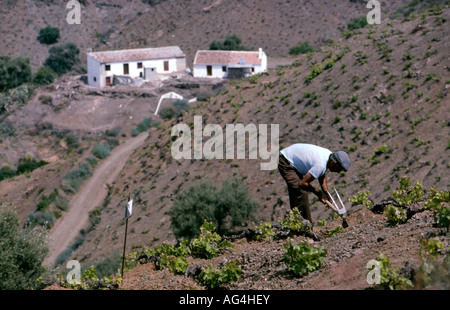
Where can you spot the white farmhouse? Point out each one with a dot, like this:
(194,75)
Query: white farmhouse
(143,63)
(229,64)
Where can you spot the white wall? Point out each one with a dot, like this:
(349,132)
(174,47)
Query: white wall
(93,71)
(201,71)
(134,71)
(97,70)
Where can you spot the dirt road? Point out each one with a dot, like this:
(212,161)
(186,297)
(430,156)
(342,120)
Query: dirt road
(91,195)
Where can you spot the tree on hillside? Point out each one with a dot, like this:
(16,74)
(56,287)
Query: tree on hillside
(227,208)
(48,35)
(22,252)
(45,75)
(14,72)
(62,58)
(231,43)
(302,48)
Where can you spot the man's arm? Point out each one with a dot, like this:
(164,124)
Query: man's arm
(324,186)
(305,184)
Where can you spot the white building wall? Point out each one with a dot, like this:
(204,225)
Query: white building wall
(201,71)
(97,71)
(134,72)
(93,71)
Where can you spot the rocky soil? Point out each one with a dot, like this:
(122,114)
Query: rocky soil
(345,267)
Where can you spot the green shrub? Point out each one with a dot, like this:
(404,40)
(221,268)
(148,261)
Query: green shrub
(101,151)
(407,195)
(231,43)
(295,222)
(302,259)
(45,201)
(356,23)
(227,207)
(266,231)
(28,164)
(48,35)
(62,58)
(209,244)
(316,70)
(174,109)
(301,48)
(439,201)
(14,72)
(76,177)
(214,278)
(22,252)
(7,172)
(40,218)
(395,215)
(144,126)
(363,198)
(390,278)
(44,76)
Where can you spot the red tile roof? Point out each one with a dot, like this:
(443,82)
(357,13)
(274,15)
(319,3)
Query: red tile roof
(212,57)
(138,54)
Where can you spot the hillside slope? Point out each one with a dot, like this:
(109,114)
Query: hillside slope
(383,99)
(275,26)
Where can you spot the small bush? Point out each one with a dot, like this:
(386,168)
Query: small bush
(357,23)
(175,109)
(295,222)
(144,126)
(44,76)
(215,278)
(7,172)
(22,252)
(209,244)
(39,218)
(390,278)
(101,151)
(63,58)
(228,207)
(28,164)
(395,215)
(405,194)
(14,72)
(48,35)
(231,43)
(363,198)
(76,177)
(302,48)
(316,70)
(302,259)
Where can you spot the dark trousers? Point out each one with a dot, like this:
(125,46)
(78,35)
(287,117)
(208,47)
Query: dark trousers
(298,198)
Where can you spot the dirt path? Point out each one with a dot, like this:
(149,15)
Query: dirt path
(91,195)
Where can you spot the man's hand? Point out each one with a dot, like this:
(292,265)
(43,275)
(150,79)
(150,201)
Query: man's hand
(322,197)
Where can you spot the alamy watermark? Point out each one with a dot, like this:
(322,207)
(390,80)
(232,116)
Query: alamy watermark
(213,148)
(374,16)
(74,15)
(74,275)
(374,274)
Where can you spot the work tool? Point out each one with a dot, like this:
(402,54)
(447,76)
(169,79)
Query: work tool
(340,210)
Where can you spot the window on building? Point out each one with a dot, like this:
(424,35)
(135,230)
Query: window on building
(224,68)
(108,67)
(208,70)
(166,65)
(139,65)
(126,69)
(95,79)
